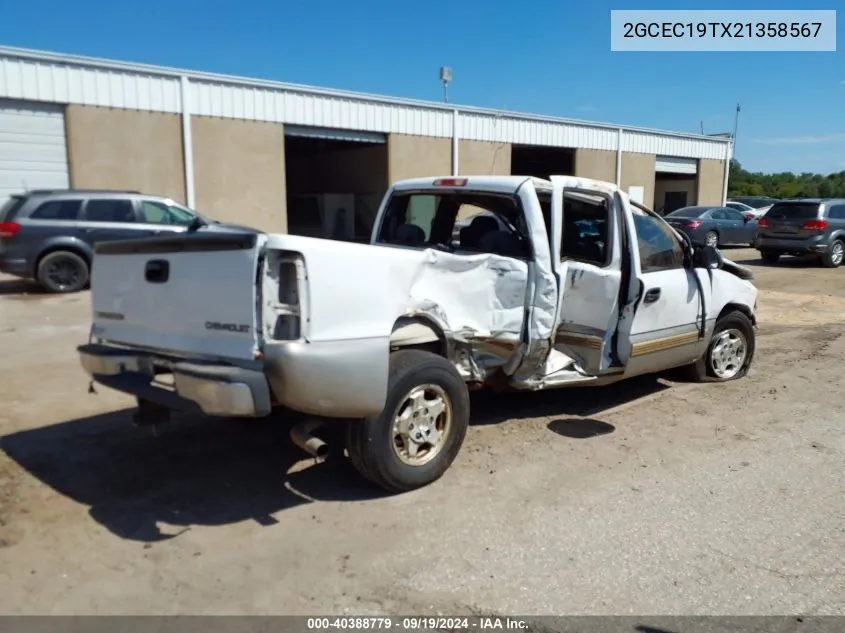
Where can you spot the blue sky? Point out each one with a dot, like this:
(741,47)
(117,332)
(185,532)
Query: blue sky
(540,56)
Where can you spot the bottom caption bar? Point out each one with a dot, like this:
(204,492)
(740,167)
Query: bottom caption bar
(527,624)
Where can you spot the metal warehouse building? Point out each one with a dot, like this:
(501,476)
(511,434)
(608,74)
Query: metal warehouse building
(286,158)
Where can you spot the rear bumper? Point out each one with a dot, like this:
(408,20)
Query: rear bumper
(209,388)
(810,245)
(17,267)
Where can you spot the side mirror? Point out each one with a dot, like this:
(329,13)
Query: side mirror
(707,257)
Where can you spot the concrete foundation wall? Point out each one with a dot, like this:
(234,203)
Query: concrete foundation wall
(357,170)
(479,158)
(595,163)
(711,179)
(417,156)
(239,171)
(638,171)
(125,149)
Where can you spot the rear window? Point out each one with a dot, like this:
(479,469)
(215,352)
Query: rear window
(65,210)
(793,211)
(10,208)
(688,212)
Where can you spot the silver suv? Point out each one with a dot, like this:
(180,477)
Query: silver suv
(804,227)
(49,235)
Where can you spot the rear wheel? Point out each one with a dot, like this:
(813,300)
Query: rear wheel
(418,434)
(730,352)
(770,257)
(711,238)
(835,255)
(62,272)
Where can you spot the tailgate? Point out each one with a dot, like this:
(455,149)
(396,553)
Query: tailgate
(193,295)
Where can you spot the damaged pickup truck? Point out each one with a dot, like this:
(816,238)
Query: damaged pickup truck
(510,282)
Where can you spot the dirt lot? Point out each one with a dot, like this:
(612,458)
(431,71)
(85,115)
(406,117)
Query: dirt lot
(647,497)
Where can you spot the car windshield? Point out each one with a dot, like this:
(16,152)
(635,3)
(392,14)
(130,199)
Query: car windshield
(793,211)
(688,212)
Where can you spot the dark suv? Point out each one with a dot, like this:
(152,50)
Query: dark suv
(804,227)
(48,235)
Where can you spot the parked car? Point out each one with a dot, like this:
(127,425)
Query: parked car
(714,226)
(389,341)
(813,227)
(755,202)
(49,235)
(738,206)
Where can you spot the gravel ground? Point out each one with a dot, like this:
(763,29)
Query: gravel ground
(647,497)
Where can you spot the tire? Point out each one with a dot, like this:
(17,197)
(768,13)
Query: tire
(63,272)
(835,255)
(732,326)
(770,257)
(372,442)
(711,238)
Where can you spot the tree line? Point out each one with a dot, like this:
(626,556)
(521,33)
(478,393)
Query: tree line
(785,184)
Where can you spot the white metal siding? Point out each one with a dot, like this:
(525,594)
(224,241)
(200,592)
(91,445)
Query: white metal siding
(46,77)
(33,148)
(676,165)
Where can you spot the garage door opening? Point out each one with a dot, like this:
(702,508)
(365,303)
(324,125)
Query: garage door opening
(335,182)
(542,162)
(675,183)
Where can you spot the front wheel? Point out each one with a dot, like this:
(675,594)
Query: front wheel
(730,351)
(418,434)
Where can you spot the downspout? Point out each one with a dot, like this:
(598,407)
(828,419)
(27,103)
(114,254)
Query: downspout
(619,159)
(187,142)
(728,156)
(455,143)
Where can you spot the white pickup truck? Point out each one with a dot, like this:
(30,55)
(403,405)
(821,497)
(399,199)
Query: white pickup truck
(505,281)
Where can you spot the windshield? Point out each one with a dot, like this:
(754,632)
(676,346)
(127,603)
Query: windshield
(793,211)
(688,212)
(10,207)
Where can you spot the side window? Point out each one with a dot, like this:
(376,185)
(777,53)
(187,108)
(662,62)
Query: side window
(154,212)
(730,214)
(660,248)
(61,210)
(103,210)
(586,225)
(837,212)
(719,214)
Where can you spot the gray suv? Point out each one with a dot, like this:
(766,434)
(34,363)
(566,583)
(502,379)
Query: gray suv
(804,227)
(48,235)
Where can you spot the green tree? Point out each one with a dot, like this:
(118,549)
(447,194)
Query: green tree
(784,184)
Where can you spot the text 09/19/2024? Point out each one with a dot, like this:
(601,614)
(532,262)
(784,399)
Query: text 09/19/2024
(710,30)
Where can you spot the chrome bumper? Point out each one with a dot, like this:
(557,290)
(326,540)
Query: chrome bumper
(211,388)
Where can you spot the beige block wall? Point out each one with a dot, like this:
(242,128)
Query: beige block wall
(125,149)
(239,171)
(480,158)
(417,156)
(711,178)
(596,163)
(638,171)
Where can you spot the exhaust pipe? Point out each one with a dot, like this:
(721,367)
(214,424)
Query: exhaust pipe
(300,435)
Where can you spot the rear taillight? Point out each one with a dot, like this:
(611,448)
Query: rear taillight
(763,224)
(694,224)
(815,225)
(9,229)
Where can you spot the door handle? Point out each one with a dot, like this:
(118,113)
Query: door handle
(652,295)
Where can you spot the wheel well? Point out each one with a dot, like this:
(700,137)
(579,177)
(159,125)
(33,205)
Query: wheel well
(52,249)
(418,333)
(737,307)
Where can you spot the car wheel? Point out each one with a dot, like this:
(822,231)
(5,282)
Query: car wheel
(770,257)
(730,351)
(418,434)
(63,272)
(711,238)
(835,255)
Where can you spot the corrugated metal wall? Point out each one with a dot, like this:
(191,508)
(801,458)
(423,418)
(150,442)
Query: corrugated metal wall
(44,78)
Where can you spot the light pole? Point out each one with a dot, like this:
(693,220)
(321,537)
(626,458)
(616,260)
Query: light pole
(445,77)
(736,125)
